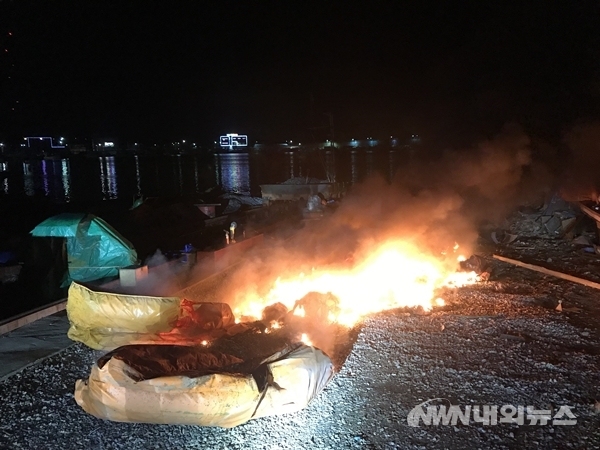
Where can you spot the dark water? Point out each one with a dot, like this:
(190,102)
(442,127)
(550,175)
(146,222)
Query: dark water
(108,178)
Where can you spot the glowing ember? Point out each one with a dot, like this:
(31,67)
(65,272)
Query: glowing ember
(397,274)
(205,343)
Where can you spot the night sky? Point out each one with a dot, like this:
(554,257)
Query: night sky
(145,70)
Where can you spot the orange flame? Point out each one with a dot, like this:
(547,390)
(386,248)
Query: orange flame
(305,339)
(300,312)
(397,274)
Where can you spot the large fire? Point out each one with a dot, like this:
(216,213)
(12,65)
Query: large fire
(396,274)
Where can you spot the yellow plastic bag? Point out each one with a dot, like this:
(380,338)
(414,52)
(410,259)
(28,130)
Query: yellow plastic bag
(104,321)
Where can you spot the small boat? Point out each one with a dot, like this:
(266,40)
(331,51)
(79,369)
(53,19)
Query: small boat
(296,188)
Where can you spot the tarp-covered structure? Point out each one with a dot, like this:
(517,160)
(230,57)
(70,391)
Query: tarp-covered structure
(95,250)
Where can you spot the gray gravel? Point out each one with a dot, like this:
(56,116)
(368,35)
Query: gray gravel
(491,345)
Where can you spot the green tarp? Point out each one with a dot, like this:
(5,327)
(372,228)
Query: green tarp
(95,250)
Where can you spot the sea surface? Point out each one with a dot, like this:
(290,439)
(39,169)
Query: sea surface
(88,178)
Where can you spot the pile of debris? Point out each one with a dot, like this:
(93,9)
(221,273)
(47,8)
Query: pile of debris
(556,218)
(559,239)
(208,369)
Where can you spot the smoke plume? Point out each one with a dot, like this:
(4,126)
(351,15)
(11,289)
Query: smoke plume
(432,204)
(581,179)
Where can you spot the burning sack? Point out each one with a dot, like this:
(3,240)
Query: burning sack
(204,316)
(196,386)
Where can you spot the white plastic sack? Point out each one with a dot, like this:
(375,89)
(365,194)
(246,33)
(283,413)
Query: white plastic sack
(212,400)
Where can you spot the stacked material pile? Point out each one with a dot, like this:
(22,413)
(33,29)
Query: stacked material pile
(196,365)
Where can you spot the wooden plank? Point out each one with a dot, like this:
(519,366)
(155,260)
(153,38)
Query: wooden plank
(546,271)
(32,317)
(590,212)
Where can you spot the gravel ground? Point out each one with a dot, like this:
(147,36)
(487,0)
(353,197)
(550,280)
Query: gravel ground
(497,343)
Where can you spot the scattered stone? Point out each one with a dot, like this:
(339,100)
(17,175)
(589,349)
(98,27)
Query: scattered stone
(399,360)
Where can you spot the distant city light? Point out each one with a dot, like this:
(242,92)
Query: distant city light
(233,140)
(109,144)
(43,138)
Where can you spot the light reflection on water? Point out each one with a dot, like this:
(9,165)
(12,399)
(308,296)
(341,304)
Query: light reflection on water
(49,178)
(354,166)
(4,168)
(196,175)
(45,180)
(290,164)
(108,177)
(232,171)
(138,177)
(28,184)
(87,178)
(66,179)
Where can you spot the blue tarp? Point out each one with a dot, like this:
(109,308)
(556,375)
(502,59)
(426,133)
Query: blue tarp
(95,250)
